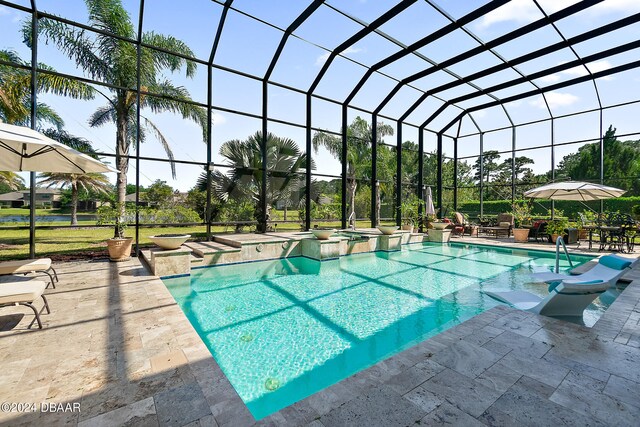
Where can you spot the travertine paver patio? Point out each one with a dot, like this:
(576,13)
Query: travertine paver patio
(117,343)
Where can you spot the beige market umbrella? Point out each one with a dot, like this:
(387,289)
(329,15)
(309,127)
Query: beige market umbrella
(574,190)
(24,149)
(430,209)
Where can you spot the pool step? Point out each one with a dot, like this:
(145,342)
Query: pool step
(214,253)
(195,260)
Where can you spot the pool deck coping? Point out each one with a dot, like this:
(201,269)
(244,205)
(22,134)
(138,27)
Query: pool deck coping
(117,343)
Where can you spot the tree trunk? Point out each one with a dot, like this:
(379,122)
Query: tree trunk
(378,203)
(74,204)
(285,212)
(122,164)
(353,185)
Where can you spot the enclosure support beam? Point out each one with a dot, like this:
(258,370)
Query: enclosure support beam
(34,96)
(455,174)
(481,174)
(209,167)
(419,186)
(208,171)
(399,174)
(601,158)
(439,176)
(344,167)
(262,220)
(138,87)
(553,164)
(514,176)
(307,190)
(374,171)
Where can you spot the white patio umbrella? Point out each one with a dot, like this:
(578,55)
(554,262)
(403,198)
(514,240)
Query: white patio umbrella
(24,149)
(428,200)
(574,190)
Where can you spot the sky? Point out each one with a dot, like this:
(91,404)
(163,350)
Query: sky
(248,45)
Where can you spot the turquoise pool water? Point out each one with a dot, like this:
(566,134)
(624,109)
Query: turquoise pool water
(282,330)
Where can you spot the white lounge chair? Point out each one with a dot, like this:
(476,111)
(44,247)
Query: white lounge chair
(610,268)
(566,299)
(42,265)
(24,293)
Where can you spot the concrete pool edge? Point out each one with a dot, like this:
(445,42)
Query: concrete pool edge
(380,369)
(97,299)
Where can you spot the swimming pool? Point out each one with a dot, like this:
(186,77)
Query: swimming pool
(284,329)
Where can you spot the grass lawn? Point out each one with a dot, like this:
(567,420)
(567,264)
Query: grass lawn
(62,242)
(39,212)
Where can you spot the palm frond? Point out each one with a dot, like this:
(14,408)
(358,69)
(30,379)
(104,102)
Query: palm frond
(165,144)
(176,94)
(72,42)
(75,142)
(164,60)
(102,116)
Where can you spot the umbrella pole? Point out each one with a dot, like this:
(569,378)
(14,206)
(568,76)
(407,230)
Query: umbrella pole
(32,215)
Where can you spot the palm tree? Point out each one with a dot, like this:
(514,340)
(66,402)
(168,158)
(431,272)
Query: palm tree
(359,136)
(113,61)
(285,162)
(11,180)
(95,182)
(15,92)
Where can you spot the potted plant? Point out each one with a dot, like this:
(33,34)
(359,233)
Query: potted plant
(119,246)
(556,228)
(410,217)
(521,211)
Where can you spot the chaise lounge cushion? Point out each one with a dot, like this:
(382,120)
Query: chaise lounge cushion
(24,266)
(16,292)
(616,263)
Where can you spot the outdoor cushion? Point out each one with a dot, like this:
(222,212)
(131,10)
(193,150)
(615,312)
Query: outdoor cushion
(15,292)
(554,285)
(25,266)
(614,262)
(505,224)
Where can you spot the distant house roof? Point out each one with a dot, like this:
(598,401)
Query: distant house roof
(11,197)
(43,191)
(132,197)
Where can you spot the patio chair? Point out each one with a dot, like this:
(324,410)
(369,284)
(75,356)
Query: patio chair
(41,265)
(565,299)
(24,293)
(505,225)
(459,224)
(609,269)
(539,231)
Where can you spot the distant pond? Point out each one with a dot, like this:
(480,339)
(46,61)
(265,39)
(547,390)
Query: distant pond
(45,218)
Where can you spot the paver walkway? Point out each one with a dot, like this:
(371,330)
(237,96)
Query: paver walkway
(117,344)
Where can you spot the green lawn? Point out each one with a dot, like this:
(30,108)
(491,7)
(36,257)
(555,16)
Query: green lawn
(39,212)
(62,242)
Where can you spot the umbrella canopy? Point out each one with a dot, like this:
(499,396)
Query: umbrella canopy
(24,149)
(574,190)
(430,209)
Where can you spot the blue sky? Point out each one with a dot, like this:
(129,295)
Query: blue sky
(248,45)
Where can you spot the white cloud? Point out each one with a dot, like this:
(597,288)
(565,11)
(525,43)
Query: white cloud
(551,78)
(323,58)
(522,11)
(525,11)
(608,6)
(555,100)
(219,119)
(594,67)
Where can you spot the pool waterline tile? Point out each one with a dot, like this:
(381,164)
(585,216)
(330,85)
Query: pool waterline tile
(371,305)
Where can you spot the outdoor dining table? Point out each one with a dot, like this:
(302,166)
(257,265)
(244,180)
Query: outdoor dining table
(619,238)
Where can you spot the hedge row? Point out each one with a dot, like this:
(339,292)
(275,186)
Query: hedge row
(541,207)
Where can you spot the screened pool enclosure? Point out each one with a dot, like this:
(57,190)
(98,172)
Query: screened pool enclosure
(284,115)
